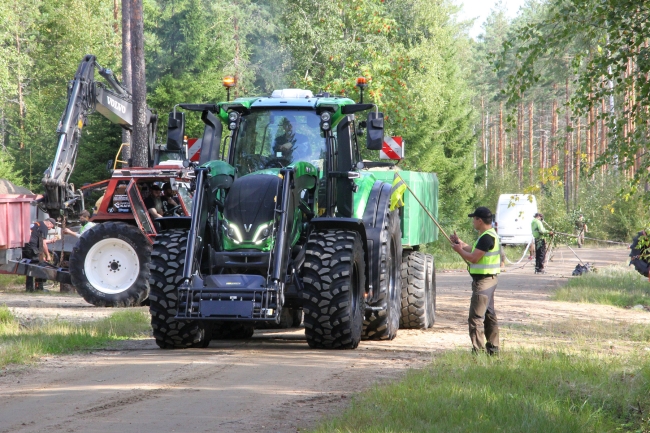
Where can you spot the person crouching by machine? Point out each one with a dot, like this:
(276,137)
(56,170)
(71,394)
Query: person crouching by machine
(36,249)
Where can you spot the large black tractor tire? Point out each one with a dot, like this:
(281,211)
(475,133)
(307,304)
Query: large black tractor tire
(416,291)
(639,264)
(109,266)
(383,324)
(431,290)
(334,279)
(167,261)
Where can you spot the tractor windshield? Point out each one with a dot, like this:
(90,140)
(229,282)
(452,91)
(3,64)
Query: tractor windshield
(277,138)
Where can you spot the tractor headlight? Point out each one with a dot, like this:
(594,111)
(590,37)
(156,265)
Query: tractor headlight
(262,233)
(232,126)
(233,116)
(232,232)
(325,123)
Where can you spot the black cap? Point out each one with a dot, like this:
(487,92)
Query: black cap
(167,185)
(155,187)
(481,212)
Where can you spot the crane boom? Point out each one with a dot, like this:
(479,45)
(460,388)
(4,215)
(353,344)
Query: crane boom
(85,95)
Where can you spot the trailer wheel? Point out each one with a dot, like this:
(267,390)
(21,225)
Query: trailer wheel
(109,266)
(431,291)
(639,264)
(415,286)
(383,324)
(166,272)
(334,279)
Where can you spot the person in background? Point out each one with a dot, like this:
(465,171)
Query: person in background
(540,243)
(502,253)
(483,258)
(84,219)
(37,249)
(169,195)
(154,202)
(581,229)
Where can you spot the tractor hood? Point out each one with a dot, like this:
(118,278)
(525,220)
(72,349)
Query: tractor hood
(249,210)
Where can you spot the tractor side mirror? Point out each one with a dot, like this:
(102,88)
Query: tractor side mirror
(375,127)
(175,130)
(109,166)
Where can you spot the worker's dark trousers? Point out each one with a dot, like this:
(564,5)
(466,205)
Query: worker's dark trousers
(482,316)
(29,253)
(540,254)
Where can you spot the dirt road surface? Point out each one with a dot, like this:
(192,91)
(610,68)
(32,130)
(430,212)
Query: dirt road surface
(271,383)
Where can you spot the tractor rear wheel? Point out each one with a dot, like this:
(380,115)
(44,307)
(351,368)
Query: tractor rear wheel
(334,279)
(109,266)
(416,291)
(431,291)
(383,324)
(166,272)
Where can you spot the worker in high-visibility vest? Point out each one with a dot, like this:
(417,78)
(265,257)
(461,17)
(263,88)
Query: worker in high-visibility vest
(483,258)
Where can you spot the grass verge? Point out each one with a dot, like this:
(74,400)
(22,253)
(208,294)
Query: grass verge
(21,344)
(12,281)
(531,391)
(615,285)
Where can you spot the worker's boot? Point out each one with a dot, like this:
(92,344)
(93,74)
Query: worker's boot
(29,284)
(491,350)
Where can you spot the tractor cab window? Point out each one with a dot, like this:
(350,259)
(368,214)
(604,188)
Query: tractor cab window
(277,138)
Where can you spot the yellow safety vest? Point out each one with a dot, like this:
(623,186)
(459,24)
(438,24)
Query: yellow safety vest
(397,193)
(489,263)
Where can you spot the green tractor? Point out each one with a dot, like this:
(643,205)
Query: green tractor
(288,219)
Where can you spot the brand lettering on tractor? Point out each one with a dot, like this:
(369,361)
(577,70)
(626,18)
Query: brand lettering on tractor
(113,103)
(247,227)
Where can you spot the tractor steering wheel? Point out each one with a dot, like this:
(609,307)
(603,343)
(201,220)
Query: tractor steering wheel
(171,211)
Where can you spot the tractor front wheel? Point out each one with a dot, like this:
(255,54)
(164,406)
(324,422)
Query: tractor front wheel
(334,279)
(109,266)
(166,272)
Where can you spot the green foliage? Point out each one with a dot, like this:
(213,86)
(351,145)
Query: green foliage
(8,169)
(598,40)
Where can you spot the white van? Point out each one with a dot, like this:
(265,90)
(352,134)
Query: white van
(514,215)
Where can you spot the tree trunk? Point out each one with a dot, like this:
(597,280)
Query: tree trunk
(140,146)
(542,137)
(21,99)
(567,147)
(578,152)
(520,143)
(530,143)
(603,134)
(501,138)
(127,75)
(553,140)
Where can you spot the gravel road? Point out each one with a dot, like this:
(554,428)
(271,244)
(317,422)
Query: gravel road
(271,383)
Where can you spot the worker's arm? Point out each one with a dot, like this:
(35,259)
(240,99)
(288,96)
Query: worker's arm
(67,231)
(470,256)
(46,251)
(154,213)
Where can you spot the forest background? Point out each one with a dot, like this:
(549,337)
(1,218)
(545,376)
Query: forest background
(553,102)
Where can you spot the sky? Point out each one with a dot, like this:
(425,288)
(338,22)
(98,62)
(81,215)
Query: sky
(480,9)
